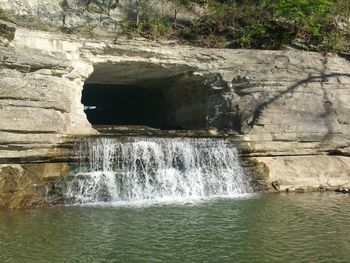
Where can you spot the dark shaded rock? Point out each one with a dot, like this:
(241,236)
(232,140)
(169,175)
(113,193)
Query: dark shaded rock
(276,185)
(7,30)
(322,188)
(300,190)
(343,190)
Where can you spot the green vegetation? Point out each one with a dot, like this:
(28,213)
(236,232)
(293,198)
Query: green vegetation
(315,25)
(151,26)
(320,25)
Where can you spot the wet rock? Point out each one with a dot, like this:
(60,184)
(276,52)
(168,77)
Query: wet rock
(343,190)
(25,185)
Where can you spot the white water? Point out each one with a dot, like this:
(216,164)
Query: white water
(156,169)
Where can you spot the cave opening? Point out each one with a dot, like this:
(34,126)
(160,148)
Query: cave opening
(144,94)
(108,104)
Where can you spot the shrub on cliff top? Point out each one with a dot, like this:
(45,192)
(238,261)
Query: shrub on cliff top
(261,24)
(302,15)
(268,24)
(244,24)
(151,26)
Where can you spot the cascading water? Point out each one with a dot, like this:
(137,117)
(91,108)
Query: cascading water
(156,169)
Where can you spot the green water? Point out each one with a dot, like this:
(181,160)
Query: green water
(270,228)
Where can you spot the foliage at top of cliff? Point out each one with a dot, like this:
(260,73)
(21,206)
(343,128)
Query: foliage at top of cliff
(319,25)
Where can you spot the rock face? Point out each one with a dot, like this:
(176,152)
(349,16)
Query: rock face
(308,172)
(25,185)
(287,109)
(38,92)
(88,14)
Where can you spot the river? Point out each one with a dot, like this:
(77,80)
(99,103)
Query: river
(310,227)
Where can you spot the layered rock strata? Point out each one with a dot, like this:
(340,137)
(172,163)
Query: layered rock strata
(288,110)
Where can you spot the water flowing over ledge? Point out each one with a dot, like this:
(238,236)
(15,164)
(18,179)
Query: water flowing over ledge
(156,170)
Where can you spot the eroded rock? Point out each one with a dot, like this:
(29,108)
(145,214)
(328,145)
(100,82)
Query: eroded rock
(24,185)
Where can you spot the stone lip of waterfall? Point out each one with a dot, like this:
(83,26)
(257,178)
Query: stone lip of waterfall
(156,170)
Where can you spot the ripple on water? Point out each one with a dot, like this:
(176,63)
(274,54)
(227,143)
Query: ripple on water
(268,228)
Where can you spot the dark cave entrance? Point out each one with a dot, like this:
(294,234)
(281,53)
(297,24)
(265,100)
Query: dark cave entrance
(144,94)
(107,104)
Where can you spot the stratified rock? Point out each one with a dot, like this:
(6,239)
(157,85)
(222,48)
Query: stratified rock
(295,171)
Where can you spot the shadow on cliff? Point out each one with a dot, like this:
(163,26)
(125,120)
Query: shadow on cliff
(329,112)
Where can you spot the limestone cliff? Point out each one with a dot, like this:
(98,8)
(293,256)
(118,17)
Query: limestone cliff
(94,16)
(288,109)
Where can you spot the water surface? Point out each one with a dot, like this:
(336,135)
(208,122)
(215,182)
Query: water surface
(269,228)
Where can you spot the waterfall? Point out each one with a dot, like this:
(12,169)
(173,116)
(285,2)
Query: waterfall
(139,169)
